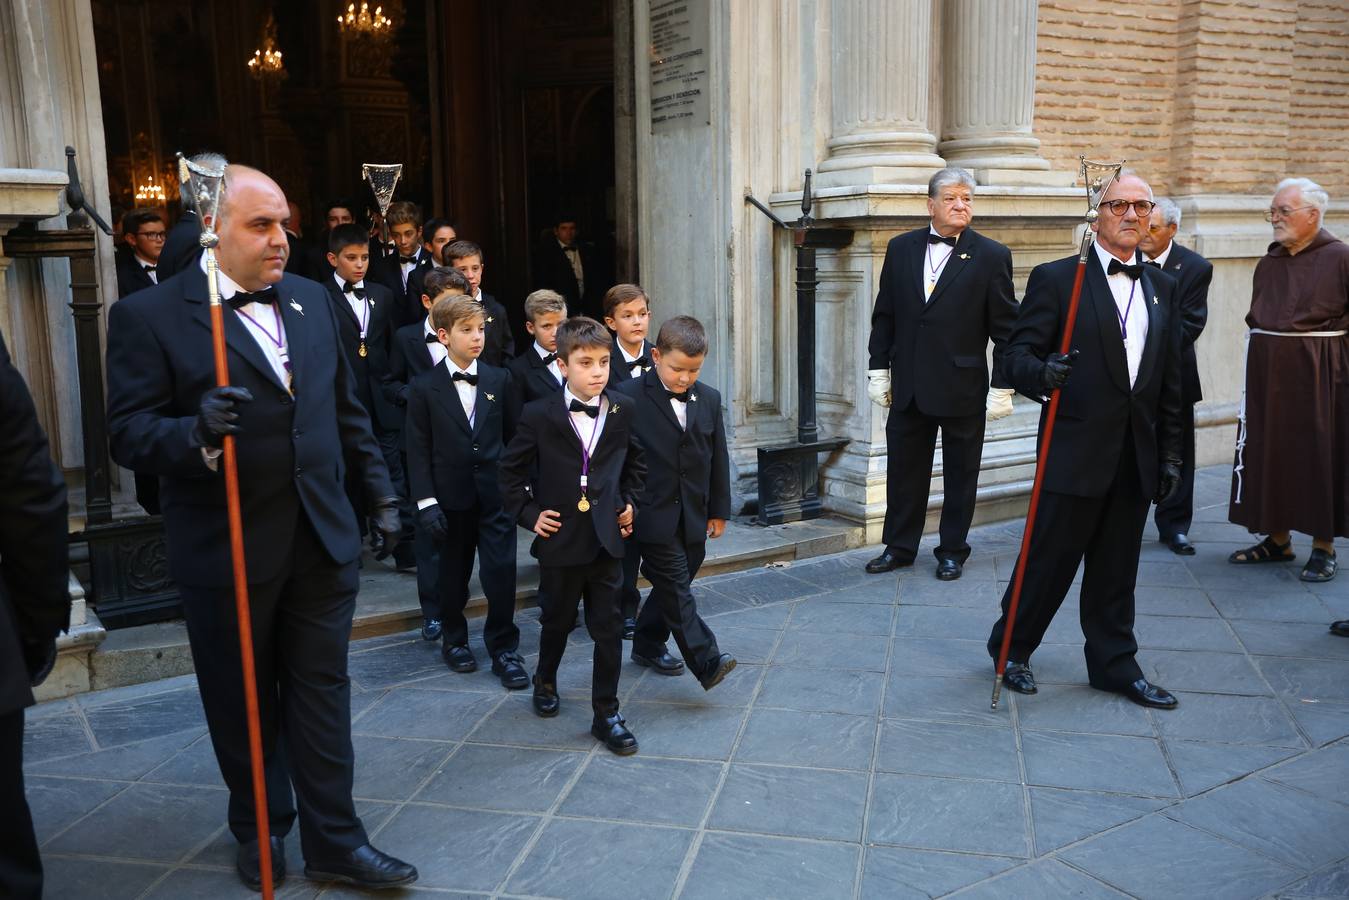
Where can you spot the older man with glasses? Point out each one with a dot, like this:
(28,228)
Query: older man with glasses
(1292,455)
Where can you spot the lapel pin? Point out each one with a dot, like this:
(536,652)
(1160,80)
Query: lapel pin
(491,398)
(693,397)
(489,320)
(613,410)
(1154,299)
(964,256)
(297,307)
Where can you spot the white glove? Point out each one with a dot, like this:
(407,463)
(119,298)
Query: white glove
(999,403)
(878,386)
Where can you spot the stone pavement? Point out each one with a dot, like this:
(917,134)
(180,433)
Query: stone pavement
(852,754)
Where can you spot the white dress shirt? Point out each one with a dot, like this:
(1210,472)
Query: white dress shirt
(1135,316)
(937,255)
(405,267)
(435,348)
(630,361)
(1161,260)
(262,323)
(552,366)
(681,410)
(359,305)
(588,430)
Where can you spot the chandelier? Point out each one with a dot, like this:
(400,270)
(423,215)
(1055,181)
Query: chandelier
(365,23)
(149,191)
(265,63)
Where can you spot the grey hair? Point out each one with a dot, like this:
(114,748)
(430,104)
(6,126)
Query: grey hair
(1311,192)
(211,161)
(1168,211)
(949,175)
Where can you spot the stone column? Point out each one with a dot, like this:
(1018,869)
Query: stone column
(881,80)
(988,83)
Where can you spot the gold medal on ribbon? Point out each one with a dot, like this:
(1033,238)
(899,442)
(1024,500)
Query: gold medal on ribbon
(583,505)
(361,349)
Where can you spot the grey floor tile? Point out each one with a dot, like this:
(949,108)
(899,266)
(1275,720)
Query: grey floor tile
(395,664)
(947,622)
(509,779)
(1202,765)
(1323,721)
(1182,862)
(432,715)
(514,722)
(1229,719)
(878,589)
(56,803)
(1153,600)
(823,615)
(394,768)
(823,690)
(736,690)
(933,656)
(1300,606)
(1331,882)
(734,866)
(984,595)
(941,748)
(457,849)
(774,616)
(1320,772)
(1058,664)
(1203,671)
(813,650)
(1217,574)
(1310,640)
(1064,817)
(224,884)
(761,586)
(146,717)
(125,763)
(1043,878)
(790,801)
(652,791)
(1083,709)
(133,692)
(1301,831)
(194,764)
(149,822)
(948,814)
(750,646)
(1183,633)
(51,736)
(97,879)
(939,699)
(1164,573)
(694,732)
(895,873)
(799,738)
(571,856)
(834,573)
(1097,762)
(222,850)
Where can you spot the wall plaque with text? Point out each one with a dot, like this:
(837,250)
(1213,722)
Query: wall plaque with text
(679,64)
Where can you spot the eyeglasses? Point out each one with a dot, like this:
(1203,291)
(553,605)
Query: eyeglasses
(151,235)
(1283,212)
(1142,207)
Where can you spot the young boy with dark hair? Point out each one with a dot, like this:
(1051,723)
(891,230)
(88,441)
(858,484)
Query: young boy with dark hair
(437,234)
(685,499)
(466,258)
(536,370)
(460,416)
(580,513)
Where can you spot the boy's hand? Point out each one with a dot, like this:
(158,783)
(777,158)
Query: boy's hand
(625,519)
(716,527)
(550,521)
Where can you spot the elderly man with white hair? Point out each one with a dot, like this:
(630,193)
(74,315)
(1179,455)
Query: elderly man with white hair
(1292,457)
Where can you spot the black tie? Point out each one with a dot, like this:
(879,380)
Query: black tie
(549,359)
(432,339)
(578,406)
(934,238)
(682,396)
(643,361)
(408,260)
(465,376)
(1115,267)
(1153,263)
(150,269)
(243,298)
(350,288)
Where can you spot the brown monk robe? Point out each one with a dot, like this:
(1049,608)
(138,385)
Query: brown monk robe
(1293,472)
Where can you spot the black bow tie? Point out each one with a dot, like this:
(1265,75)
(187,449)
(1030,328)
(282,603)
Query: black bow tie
(243,298)
(350,288)
(682,396)
(1115,267)
(644,361)
(578,406)
(549,359)
(465,376)
(934,238)
(408,260)
(432,339)
(150,268)
(1153,263)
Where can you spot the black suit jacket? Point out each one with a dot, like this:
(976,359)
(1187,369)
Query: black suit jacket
(409,357)
(34,559)
(553,270)
(688,470)
(182,246)
(1193,275)
(408,298)
(545,442)
(935,350)
(619,373)
(1098,411)
(447,458)
(292,452)
(534,379)
(499,345)
(370,370)
(131,275)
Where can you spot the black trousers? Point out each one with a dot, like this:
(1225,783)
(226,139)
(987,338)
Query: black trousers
(1107,533)
(629,597)
(911,441)
(671,610)
(20,865)
(301,629)
(560,588)
(1176,515)
(393,458)
(491,535)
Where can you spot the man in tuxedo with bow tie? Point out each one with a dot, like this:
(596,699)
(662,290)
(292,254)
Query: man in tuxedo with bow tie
(561,264)
(298,424)
(945,292)
(1116,443)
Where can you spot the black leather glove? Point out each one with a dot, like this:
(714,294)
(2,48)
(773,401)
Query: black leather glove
(39,659)
(433,520)
(386,521)
(1168,480)
(216,415)
(1058,366)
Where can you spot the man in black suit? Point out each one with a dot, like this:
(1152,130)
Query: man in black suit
(945,292)
(1193,275)
(1116,442)
(560,264)
(143,234)
(536,370)
(34,609)
(292,404)
(465,257)
(183,245)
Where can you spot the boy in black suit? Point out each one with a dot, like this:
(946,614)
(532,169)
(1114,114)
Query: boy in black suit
(437,234)
(685,500)
(405,227)
(143,232)
(581,513)
(536,370)
(417,349)
(460,416)
(466,258)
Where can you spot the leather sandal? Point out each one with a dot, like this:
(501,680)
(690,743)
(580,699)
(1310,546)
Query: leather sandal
(1267,551)
(1320,566)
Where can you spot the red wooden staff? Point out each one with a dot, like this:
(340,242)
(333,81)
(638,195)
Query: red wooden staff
(1096,188)
(206,190)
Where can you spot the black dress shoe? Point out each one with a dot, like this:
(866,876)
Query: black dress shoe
(431,629)
(888,561)
(949,569)
(404,559)
(1145,693)
(1179,544)
(1341,627)
(364,866)
(614,734)
(510,668)
(717,671)
(546,701)
(629,629)
(1018,677)
(249,867)
(664,664)
(459,658)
